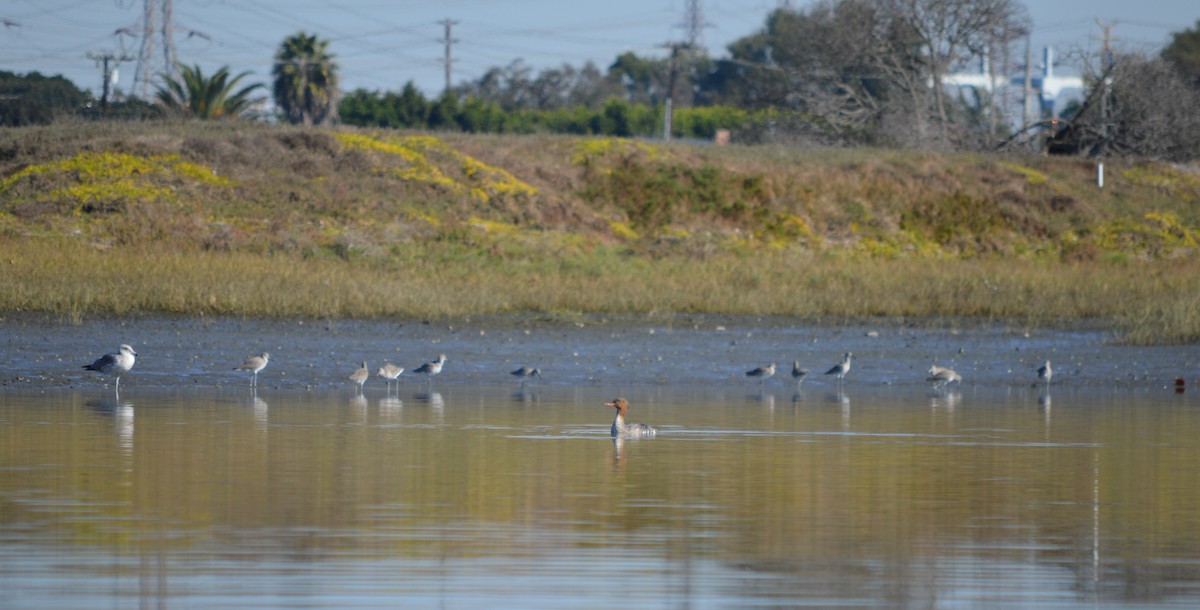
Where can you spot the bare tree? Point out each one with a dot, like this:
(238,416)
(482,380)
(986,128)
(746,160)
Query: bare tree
(868,70)
(953,31)
(1139,106)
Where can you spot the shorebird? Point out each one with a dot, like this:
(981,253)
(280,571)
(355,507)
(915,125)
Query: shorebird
(840,369)
(115,364)
(525,373)
(942,376)
(798,373)
(1045,372)
(390,372)
(431,368)
(620,429)
(254,364)
(360,375)
(762,372)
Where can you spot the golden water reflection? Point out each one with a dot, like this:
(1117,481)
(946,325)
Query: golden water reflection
(820,498)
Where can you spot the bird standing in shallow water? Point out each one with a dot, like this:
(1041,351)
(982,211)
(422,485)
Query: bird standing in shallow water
(524,373)
(360,375)
(390,373)
(840,369)
(942,376)
(431,368)
(1045,372)
(620,429)
(762,372)
(254,364)
(115,364)
(798,373)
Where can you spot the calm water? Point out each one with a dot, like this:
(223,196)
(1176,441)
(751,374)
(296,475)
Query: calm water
(475,493)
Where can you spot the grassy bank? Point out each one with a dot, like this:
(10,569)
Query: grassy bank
(1157,303)
(256,220)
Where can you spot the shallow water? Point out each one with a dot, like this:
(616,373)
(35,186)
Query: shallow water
(192,490)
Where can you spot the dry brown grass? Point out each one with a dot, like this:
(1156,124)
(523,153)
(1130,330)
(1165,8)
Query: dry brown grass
(284,221)
(1152,304)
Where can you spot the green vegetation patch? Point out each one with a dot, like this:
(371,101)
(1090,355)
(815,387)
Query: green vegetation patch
(1154,235)
(1032,176)
(102,182)
(428,160)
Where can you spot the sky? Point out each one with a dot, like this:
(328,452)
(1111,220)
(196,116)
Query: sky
(380,45)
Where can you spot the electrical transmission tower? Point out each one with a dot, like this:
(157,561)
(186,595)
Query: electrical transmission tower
(693,22)
(156,31)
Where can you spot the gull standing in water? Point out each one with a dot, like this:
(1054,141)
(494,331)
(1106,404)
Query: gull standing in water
(762,372)
(1045,372)
(942,376)
(360,376)
(114,364)
(390,373)
(840,369)
(524,373)
(432,368)
(254,364)
(620,429)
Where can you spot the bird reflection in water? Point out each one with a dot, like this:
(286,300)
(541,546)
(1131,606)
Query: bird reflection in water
(843,402)
(260,409)
(122,413)
(390,405)
(1044,403)
(942,399)
(618,454)
(433,399)
(526,396)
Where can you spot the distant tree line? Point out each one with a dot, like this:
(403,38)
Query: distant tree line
(843,72)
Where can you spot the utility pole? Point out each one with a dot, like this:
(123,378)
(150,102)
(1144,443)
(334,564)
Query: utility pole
(449,41)
(108,62)
(1027,89)
(672,76)
(1106,62)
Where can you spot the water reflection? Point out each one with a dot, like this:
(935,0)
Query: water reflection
(526,396)
(390,408)
(121,412)
(433,399)
(343,505)
(944,400)
(261,410)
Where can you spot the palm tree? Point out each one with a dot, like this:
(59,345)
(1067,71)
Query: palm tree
(306,80)
(212,97)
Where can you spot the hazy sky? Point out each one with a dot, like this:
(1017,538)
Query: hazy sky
(382,44)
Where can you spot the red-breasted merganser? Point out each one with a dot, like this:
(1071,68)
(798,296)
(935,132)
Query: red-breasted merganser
(620,429)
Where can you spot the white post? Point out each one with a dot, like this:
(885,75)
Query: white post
(1100,174)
